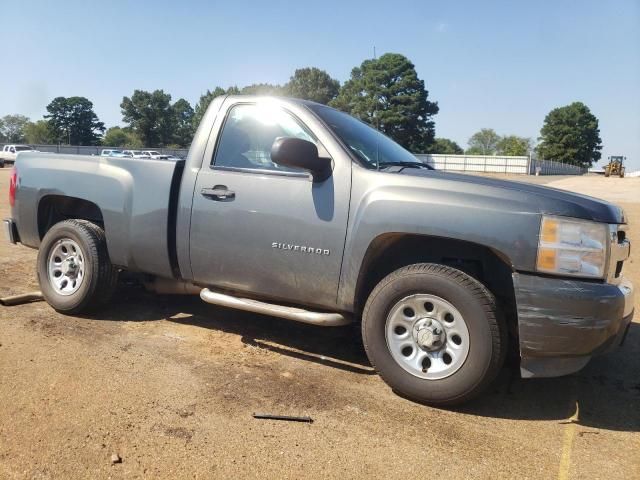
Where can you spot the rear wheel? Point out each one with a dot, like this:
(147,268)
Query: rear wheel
(74,270)
(432,333)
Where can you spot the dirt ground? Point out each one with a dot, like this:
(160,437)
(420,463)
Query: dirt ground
(170,384)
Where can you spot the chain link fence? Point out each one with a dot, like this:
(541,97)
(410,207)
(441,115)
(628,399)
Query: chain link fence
(95,150)
(455,163)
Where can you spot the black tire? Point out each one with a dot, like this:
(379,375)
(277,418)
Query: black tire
(100,276)
(477,305)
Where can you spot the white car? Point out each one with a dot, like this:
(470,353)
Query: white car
(135,154)
(112,153)
(155,154)
(10,152)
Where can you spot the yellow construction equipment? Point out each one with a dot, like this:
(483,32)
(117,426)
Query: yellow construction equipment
(615,166)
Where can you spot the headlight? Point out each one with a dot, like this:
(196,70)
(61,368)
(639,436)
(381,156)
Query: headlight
(572,247)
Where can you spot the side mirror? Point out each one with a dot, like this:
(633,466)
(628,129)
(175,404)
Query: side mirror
(298,153)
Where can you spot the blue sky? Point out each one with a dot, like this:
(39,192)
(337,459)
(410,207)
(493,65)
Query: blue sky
(500,65)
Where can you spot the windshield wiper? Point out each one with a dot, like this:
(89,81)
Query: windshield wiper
(405,165)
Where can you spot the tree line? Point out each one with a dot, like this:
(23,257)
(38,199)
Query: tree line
(386,93)
(570,134)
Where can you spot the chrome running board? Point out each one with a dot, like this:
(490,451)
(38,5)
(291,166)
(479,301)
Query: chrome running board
(289,313)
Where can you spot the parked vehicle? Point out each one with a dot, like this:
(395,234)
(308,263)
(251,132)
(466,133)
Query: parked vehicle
(155,155)
(135,154)
(9,153)
(112,153)
(294,209)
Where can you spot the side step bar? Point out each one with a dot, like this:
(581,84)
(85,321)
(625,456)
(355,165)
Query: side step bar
(290,313)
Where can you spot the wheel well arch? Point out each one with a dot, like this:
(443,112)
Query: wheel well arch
(390,251)
(56,208)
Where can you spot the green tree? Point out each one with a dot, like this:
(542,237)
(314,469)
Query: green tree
(2,137)
(205,100)
(484,142)
(262,89)
(445,146)
(151,116)
(13,128)
(115,137)
(513,145)
(73,121)
(387,93)
(183,133)
(38,132)
(203,104)
(570,134)
(121,137)
(312,84)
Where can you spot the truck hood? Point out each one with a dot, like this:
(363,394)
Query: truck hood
(544,200)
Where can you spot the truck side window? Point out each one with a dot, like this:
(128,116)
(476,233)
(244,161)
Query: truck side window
(249,132)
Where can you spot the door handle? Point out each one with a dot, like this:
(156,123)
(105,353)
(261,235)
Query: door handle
(219,192)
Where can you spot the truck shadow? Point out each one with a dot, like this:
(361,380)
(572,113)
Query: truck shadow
(606,392)
(336,347)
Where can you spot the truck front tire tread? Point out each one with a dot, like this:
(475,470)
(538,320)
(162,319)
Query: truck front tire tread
(449,391)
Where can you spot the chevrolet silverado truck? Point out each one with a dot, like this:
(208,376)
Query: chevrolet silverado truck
(296,210)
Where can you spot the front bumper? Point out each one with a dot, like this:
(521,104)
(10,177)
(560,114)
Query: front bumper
(10,230)
(563,322)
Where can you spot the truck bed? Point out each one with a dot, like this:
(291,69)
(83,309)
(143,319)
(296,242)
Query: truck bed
(134,197)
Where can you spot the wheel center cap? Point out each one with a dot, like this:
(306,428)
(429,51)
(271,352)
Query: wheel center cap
(429,334)
(70,267)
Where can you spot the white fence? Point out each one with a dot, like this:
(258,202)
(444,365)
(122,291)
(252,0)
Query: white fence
(477,163)
(499,164)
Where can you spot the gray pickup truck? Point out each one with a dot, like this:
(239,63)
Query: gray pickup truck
(293,209)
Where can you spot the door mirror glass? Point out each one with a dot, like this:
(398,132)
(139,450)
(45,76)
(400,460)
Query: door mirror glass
(298,153)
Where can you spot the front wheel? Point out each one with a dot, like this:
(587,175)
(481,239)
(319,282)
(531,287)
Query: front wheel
(433,334)
(74,270)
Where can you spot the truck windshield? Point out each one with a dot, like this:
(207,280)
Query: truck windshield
(371,147)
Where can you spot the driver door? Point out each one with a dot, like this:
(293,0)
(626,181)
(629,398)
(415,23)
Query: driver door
(261,228)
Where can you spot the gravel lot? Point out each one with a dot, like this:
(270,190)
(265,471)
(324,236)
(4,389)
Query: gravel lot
(169,385)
